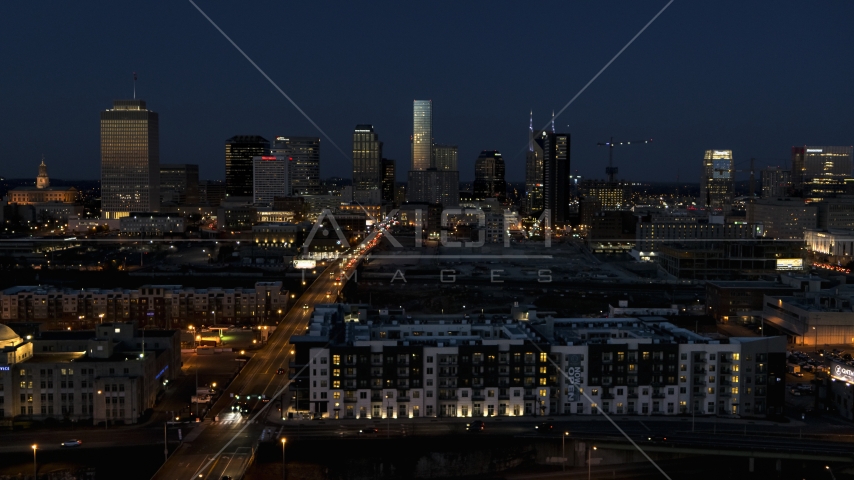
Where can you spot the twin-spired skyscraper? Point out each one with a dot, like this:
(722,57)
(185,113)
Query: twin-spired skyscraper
(130,160)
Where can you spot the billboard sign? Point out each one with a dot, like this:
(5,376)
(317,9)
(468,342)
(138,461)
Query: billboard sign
(790,264)
(305,263)
(843,372)
(573,371)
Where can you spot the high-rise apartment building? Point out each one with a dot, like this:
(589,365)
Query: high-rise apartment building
(239,152)
(433,186)
(445,157)
(609,196)
(304,169)
(179,183)
(389,176)
(776,182)
(422,135)
(820,171)
(556,177)
(130,159)
(489,179)
(717,181)
(367,165)
(269,178)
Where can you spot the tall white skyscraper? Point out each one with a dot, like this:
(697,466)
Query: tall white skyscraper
(422,135)
(130,160)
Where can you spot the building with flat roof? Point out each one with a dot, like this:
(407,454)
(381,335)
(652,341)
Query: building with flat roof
(358,362)
(819,172)
(165,306)
(785,219)
(112,373)
(152,224)
(717,180)
(130,159)
(179,183)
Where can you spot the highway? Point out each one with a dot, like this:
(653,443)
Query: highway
(204,452)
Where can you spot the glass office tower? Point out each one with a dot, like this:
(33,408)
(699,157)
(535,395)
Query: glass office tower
(717,181)
(367,165)
(422,135)
(303,153)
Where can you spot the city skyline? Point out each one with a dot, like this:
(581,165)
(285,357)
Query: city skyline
(663,64)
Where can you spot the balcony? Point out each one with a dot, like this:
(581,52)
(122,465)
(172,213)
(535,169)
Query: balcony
(657,394)
(480,397)
(699,371)
(699,359)
(403,399)
(349,399)
(448,397)
(607,396)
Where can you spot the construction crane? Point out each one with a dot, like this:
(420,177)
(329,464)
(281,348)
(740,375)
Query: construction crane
(611,170)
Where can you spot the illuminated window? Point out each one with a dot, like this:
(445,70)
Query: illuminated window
(543,370)
(336,384)
(735,390)
(735,356)
(544,357)
(336,395)
(543,381)
(336,372)
(645,355)
(336,359)
(735,379)
(544,392)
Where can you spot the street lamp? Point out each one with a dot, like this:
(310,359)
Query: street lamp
(563,450)
(827,467)
(589,451)
(101,317)
(284,471)
(35,465)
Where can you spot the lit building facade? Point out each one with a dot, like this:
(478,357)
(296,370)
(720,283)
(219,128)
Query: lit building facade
(608,196)
(166,306)
(152,224)
(269,178)
(820,171)
(108,374)
(534,171)
(367,165)
(239,152)
(784,219)
(130,159)
(717,180)
(303,153)
(489,179)
(392,365)
(445,157)
(422,135)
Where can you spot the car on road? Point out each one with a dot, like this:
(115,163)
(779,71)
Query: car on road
(71,443)
(656,438)
(544,427)
(369,431)
(280,371)
(305,306)
(476,426)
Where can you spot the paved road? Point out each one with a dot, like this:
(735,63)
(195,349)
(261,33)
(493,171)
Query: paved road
(258,379)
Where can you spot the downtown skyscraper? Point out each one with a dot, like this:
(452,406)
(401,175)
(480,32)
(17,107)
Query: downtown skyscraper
(304,169)
(130,160)
(819,172)
(534,170)
(717,181)
(422,135)
(489,181)
(269,179)
(556,185)
(239,152)
(367,165)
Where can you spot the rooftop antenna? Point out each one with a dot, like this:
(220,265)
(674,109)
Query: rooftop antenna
(134,85)
(553,121)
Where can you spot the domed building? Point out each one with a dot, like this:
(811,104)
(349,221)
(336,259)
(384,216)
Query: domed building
(15,349)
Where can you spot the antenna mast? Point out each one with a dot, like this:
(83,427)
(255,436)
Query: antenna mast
(134,85)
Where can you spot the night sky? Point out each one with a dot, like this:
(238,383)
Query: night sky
(754,77)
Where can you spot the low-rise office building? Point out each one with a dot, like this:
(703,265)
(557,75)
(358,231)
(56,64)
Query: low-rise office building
(112,373)
(166,306)
(152,224)
(356,362)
